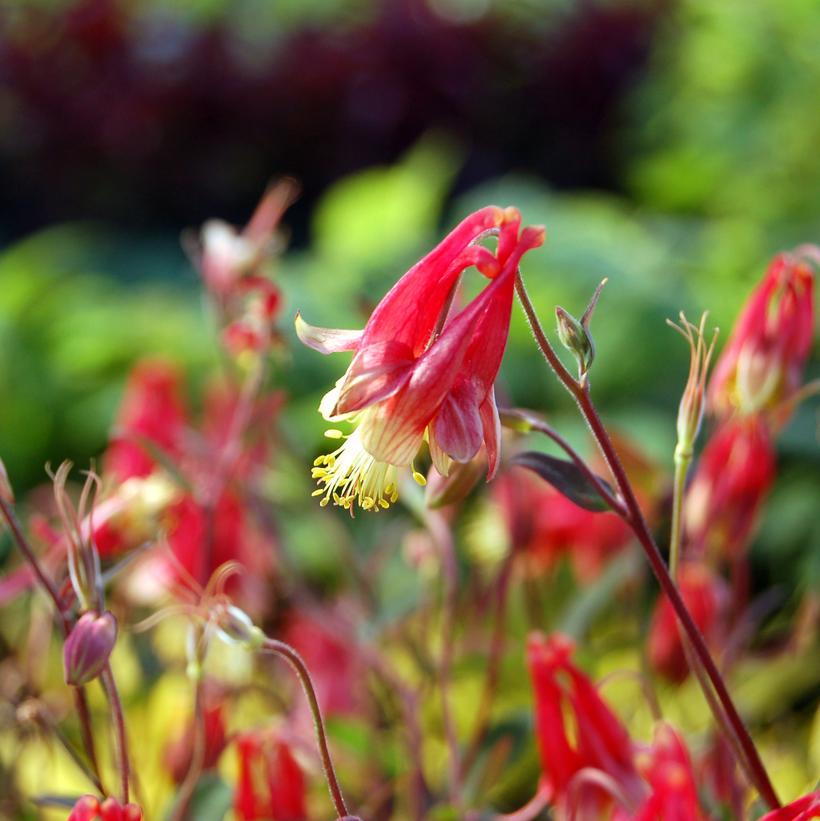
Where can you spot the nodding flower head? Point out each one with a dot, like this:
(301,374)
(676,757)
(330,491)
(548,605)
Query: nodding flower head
(762,365)
(422,370)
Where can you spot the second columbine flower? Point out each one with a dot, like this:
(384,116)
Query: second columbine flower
(421,370)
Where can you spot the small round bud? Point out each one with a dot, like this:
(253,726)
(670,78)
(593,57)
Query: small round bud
(88,647)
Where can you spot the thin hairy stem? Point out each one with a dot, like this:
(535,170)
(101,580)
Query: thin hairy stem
(300,668)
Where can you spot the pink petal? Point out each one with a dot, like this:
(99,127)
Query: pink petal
(457,427)
(376,373)
(326,340)
(410,310)
(491,425)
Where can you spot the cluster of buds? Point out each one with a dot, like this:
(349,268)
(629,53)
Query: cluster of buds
(422,370)
(89,808)
(591,766)
(232,265)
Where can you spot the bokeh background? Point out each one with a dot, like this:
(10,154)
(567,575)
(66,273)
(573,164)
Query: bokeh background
(669,145)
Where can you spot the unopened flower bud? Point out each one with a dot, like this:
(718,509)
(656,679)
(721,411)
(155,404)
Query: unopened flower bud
(89,808)
(576,339)
(88,647)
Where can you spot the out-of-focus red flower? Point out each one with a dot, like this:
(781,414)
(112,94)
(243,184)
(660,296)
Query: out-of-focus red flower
(764,358)
(544,526)
(803,809)
(270,784)
(577,732)
(703,593)
(332,661)
(718,771)
(730,485)
(668,769)
(421,369)
(151,414)
(179,752)
(89,808)
(207,524)
(225,257)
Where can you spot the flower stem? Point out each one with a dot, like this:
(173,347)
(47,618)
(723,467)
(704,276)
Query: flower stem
(682,462)
(634,517)
(110,686)
(60,611)
(300,668)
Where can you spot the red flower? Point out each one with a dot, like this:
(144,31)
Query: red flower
(729,487)
(703,594)
(178,754)
(764,358)
(421,370)
(803,809)
(151,414)
(544,526)
(668,769)
(577,732)
(89,808)
(270,784)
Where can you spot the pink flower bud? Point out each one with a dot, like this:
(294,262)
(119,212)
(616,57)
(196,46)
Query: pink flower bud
(88,647)
(89,808)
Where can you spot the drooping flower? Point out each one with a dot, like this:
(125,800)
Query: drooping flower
(704,596)
(730,485)
(270,784)
(763,362)
(586,752)
(667,768)
(420,369)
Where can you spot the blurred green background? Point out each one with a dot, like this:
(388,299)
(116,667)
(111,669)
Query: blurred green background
(670,146)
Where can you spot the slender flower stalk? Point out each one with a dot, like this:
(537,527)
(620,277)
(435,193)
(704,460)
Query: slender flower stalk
(634,516)
(279,648)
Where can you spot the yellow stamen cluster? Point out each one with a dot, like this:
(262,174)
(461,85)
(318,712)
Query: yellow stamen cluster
(350,474)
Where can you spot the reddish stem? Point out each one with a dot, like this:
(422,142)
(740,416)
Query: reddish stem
(635,518)
(303,674)
(60,611)
(120,734)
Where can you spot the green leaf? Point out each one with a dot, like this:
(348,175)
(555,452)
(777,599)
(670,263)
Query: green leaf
(211,801)
(566,477)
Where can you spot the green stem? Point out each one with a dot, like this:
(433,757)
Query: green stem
(682,463)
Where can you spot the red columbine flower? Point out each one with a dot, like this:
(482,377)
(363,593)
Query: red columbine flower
(578,735)
(89,808)
(731,482)
(764,358)
(668,769)
(421,370)
(803,809)
(704,596)
(270,784)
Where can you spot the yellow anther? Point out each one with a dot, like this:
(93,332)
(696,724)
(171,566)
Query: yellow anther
(334,433)
(420,480)
(324,502)
(384,503)
(318,492)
